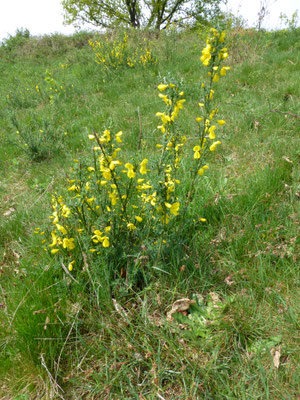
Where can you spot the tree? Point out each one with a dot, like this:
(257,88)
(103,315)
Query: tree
(136,13)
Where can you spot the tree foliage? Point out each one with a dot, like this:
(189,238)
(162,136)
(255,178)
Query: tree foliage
(156,14)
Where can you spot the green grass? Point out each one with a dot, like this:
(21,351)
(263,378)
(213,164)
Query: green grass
(62,339)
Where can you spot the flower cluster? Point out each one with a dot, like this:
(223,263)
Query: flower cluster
(114,54)
(212,57)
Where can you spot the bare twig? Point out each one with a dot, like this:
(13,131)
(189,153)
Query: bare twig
(67,272)
(140,122)
(286,112)
(63,346)
(57,389)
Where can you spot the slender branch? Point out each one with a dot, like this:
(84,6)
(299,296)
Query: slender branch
(140,122)
(285,112)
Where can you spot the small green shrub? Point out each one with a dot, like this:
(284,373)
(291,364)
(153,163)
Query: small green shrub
(14,41)
(124,211)
(118,53)
(39,138)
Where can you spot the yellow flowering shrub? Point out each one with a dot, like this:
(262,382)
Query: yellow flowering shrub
(113,54)
(116,209)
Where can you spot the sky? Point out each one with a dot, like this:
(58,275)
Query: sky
(46,16)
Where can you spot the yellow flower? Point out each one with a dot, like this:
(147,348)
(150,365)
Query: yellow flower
(73,188)
(118,137)
(130,171)
(139,219)
(143,169)
(216,78)
(206,56)
(173,208)
(162,87)
(97,237)
(68,244)
(165,98)
(113,163)
(105,242)
(165,118)
(221,122)
(54,239)
(90,200)
(159,146)
(202,219)
(131,226)
(179,103)
(201,104)
(197,154)
(65,211)
(199,119)
(91,137)
(223,70)
(202,170)
(70,266)
(113,198)
(211,131)
(106,135)
(214,145)
(106,173)
(54,251)
(91,169)
(222,37)
(62,229)
(211,115)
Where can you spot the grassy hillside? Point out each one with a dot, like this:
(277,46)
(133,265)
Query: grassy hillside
(87,334)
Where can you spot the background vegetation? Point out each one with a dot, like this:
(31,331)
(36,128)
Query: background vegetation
(65,339)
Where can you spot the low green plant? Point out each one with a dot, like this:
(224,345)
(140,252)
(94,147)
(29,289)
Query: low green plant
(38,138)
(123,211)
(51,89)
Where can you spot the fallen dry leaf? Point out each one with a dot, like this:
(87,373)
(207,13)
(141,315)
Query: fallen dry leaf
(287,159)
(42,311)
(155,320)
(215,298)
(9,212)
(276,354)
(120,310)
(46,322)
(179,306)
(15,254)
(229,281)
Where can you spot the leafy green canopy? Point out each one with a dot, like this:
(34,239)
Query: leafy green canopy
(137,13)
